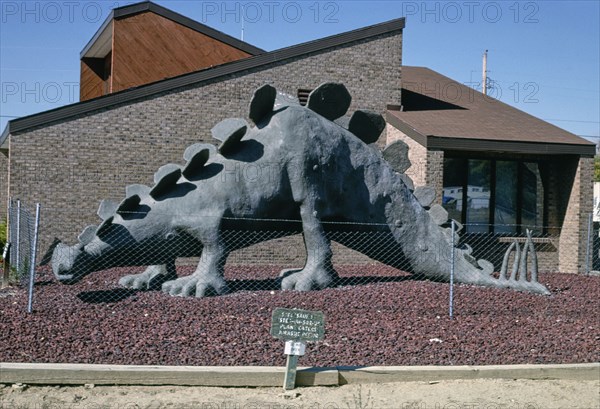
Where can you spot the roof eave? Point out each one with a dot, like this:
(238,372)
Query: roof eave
(518,147)
(129,10)
(203,28)
(4,137)
(406,129)
(97,35)
(449,143)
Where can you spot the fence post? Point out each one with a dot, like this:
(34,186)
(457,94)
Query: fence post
(33,261)
(452,270)
(6,249)
(588,251)
(18,241)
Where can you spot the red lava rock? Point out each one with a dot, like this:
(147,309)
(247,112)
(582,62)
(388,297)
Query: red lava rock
(381,322)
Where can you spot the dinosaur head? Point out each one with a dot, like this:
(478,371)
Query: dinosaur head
(121,241)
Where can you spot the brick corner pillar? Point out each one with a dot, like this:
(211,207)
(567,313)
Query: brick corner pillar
(574,233)
(434,173)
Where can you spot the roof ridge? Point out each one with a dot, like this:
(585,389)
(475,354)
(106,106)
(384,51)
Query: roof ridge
(144,6)
(222,70)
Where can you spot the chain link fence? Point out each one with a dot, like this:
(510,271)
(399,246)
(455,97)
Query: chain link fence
(261,253)
(115,282)
(20,250)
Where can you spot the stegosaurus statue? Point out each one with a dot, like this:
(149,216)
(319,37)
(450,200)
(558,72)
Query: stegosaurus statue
(311,164)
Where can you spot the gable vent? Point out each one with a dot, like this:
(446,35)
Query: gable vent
(303,95)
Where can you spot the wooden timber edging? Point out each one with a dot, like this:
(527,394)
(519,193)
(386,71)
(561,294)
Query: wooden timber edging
(257,376)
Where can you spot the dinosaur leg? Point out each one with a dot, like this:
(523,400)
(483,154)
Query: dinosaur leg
(151,279)
(318,271)
(208,277)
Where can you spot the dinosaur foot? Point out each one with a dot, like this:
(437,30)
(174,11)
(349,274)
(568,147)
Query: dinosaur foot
(307,279)
(196,285)
(151,279)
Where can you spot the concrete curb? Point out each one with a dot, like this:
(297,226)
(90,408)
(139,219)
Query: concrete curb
(250,376)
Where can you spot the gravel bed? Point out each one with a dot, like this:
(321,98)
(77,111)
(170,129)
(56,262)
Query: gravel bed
(376,316)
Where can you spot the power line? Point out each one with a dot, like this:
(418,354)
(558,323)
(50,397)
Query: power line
(571,120)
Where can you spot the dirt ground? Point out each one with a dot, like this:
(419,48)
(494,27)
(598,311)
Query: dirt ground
(471,394)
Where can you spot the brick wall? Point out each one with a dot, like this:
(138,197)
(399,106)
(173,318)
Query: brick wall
(573,236)
(71,165)
(434,175)
(427,166)
(417,154)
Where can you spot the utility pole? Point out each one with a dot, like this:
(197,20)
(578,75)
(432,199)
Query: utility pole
(243,18)
(484,74)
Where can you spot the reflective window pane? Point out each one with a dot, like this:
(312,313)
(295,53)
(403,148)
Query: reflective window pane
(478,196)
(505,210)
(453,187)
(532,216)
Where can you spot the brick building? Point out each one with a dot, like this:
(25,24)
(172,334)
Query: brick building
(496,169)
(72,157)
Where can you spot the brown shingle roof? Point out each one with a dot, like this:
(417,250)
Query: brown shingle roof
(439,112)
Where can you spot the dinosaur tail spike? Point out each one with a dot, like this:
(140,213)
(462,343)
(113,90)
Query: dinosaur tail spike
(87,235)
(366,125)
(396,154)
(231,128)
(129,205)
(330,100)
(230,132)
(165,170)
(425,196)
(504,268)
(519,279)
(192,150)
(166,183)
(107,209)
(438,214)
(515,269)
(139,190)
(534,263)
(104,226)
(262,103)
(196,164)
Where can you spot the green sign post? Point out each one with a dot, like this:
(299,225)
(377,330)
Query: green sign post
(296,327)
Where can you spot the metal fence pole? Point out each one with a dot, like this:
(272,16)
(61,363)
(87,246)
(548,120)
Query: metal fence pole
(588,251)
(33,261)
(18,240)
(10,221)
(6,249)
(452,270)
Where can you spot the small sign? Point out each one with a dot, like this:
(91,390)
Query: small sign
(294,348)
(297,325)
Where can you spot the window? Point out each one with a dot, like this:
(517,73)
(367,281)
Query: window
(493,195)
(477,203)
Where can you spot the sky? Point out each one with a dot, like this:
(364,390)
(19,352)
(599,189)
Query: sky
(543,56)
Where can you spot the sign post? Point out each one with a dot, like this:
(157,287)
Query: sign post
(296,327)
